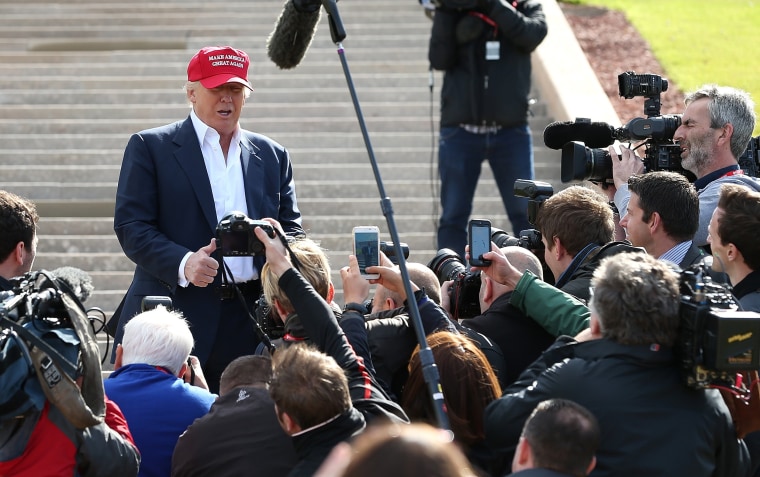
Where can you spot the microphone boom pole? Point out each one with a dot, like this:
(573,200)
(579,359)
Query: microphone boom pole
(429,368)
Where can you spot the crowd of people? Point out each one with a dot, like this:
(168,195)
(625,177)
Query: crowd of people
(571,368)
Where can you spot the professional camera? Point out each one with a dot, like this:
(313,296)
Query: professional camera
(389,249)
(235,236)
(749,162)
(47,342)
(464,300)
(264,315)
(537,192)
(661,153)
(715,340)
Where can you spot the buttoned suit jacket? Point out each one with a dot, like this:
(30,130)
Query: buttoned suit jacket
(165,209)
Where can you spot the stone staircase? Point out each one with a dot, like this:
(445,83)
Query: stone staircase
(78,77)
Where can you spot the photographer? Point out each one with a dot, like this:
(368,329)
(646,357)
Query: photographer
(715,129)
(484,47)
(577,230)
(330,406)
(520,339)
(36,434)
(627,376)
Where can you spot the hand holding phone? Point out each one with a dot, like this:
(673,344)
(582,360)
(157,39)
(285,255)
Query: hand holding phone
(480,241)
(367,249)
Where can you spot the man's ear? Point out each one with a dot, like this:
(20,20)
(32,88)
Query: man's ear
(559,250)
(523,458)
(288,425)
(732,253)
(655,222)
(18,253)
(726,133)
(487,288)
(119,356)
(330,292)
(591,465)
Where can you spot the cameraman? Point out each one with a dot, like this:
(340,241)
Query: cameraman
(715,129)
(35,439)
(484,47)
(628,376)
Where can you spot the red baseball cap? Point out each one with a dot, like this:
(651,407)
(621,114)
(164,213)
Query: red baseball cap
(214,66)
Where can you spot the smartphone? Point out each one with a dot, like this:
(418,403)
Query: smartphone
(367,248)
(480,241)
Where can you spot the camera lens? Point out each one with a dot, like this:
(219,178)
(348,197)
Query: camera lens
(447,265)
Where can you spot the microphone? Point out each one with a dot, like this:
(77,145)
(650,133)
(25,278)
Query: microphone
(293,32)
(77,280)
(594,135)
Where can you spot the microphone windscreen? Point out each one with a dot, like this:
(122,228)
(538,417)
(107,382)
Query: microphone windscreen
(593,135)
(292,35)
(78,281)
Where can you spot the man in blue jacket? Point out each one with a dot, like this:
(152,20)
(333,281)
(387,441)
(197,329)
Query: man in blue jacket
(176,183)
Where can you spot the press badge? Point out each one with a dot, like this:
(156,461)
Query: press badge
(492,50)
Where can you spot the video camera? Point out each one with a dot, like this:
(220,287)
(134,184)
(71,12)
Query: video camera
(715,340)
(235,236)
(47,342)
(580,162)
(389,249)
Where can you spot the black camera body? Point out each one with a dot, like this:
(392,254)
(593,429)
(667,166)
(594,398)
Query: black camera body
(389,249)
(236,238)
(715,340)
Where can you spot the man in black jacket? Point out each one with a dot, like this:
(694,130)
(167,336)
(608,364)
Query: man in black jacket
(520,339)
(628,377)
(577,230)
(484,50)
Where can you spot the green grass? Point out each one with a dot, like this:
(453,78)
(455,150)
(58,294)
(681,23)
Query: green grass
(699,41)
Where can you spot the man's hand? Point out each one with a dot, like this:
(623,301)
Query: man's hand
(500,270)
(390,278)
(625,165)
(355,287)
(446,295)
(194,374)
(201,268)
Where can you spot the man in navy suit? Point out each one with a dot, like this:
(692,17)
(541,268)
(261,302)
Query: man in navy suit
(176,183)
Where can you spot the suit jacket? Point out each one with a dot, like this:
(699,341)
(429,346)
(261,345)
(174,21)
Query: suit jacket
(693,255)
(165,208)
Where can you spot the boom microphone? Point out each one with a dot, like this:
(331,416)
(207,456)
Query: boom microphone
(594,135)
(77,280)
(293,32)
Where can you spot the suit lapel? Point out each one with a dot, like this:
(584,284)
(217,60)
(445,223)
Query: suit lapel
(252,176)
(189,156)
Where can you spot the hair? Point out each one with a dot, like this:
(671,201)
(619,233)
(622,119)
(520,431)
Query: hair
(636,299)
(468,381)
(673,197)
(193,85)
(420,275)
(563,436)
(406,450)
(740,222)
(18,223)
(157,337)
(577,216)
(308,385)
(728,105)
(314,267)
(246,371)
